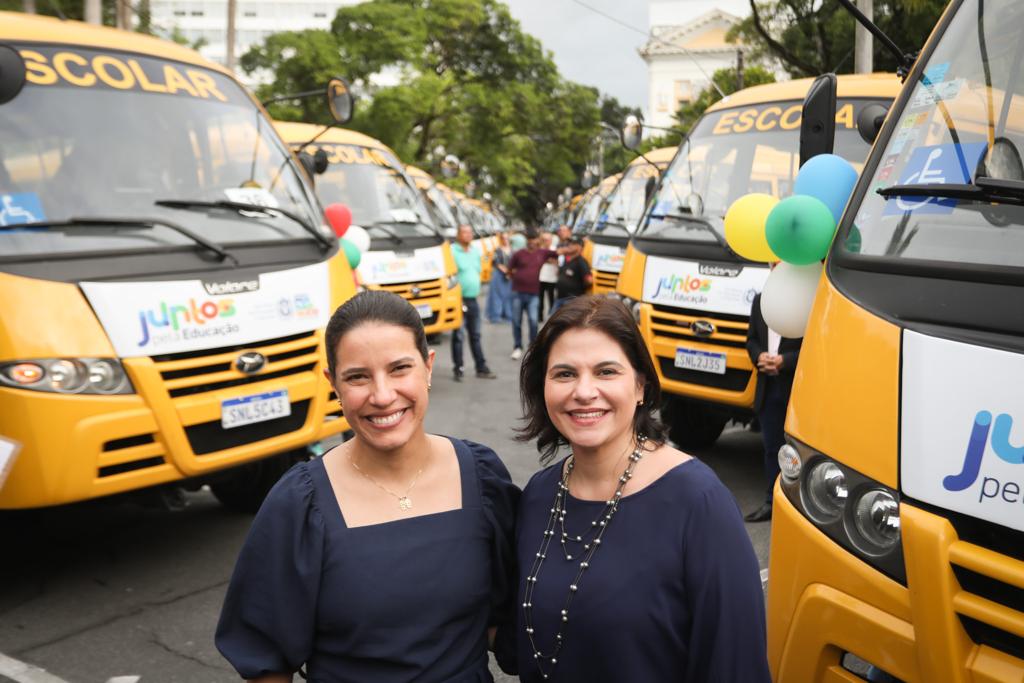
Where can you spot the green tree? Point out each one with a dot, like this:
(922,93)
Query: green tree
(726,80)
(469,81)
(811,37)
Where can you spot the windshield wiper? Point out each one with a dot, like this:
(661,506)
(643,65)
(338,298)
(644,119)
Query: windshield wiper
(96,221)
(383,227)
(242,206)
(703,225)
(982,190)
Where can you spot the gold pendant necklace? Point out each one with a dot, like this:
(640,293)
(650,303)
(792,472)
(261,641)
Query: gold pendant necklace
(404,501)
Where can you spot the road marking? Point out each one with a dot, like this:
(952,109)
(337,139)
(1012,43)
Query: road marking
(25,673)
(764,578)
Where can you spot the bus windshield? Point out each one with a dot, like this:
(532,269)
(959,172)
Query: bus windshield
(733,152)
(625,204)
(444,210)
(962,126)
(117,136)
(372,184)
(588,213)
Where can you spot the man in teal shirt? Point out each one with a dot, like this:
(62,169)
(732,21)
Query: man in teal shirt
(469,264)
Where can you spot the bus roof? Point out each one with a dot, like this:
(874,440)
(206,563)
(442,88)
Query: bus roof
(21,27)
(293,132)
(422,179)
(608,184)
(662,155)
(880,85)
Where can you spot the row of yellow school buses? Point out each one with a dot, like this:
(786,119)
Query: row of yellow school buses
(165,275)
(897,547)
(167,271)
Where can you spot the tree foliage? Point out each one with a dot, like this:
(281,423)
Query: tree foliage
(446,76)
(811,37)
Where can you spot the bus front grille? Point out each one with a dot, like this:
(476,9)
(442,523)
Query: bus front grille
(414,291)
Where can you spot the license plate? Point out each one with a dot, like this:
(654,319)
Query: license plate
(701,361)
(424,310)
(247,410)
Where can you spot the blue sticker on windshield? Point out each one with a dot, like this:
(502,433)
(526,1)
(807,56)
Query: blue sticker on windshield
(662,208)
(936,73)
(944,164)
(23,207)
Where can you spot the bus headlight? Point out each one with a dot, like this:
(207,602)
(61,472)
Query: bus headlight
(632,304)
(825,491)
(790,462)
(876,517)
(452,282)
(854,511)
(67,375)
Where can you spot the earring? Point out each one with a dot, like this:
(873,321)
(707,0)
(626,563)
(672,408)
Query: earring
(640,402)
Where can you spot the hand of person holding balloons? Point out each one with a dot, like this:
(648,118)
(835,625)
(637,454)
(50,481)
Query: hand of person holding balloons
(797,231)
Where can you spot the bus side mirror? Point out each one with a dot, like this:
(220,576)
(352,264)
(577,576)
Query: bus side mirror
(315,164)
(12,73)
(818,125)
(869,122)
(339,100)
(632,132)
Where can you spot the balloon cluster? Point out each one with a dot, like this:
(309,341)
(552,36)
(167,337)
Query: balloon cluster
(796,232)
(354,240)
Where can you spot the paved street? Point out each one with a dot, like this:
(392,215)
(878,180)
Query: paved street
(100,590)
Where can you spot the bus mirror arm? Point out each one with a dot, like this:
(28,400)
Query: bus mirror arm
(904,59)
(12,73)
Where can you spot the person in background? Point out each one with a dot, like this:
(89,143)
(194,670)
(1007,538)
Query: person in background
(389,559)
(564,232)
(517,241)
(574,276)
(524,269)
(634,564)
(499,294)
(548,277)
(468,262)
(775,357)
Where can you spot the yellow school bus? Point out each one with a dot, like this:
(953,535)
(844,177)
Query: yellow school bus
(608,237)
(587,216)
(898,528)
(165,276)
(690,293)
(407,255)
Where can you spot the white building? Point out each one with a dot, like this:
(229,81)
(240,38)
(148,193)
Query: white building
(255,20)
(686,46)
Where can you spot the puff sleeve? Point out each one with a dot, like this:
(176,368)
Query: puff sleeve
(500,501)
(267,623)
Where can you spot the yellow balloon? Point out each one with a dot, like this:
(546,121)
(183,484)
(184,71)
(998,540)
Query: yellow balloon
(744,226)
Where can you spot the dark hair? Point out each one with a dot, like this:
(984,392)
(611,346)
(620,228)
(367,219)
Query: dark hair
(532,234)
(373,306)
(605,315)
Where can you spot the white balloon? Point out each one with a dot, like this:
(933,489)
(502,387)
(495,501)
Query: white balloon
(358,236)
(787,298)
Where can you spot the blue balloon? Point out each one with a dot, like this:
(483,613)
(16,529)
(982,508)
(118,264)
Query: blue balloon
(829,178)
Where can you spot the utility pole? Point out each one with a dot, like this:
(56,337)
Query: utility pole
(230,59)
(29,6)
(124,20)
(93,13)
(739,70)
(863,54)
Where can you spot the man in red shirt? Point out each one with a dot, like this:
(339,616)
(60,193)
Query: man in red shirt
(524,269)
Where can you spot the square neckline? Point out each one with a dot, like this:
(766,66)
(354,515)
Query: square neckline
(468,487)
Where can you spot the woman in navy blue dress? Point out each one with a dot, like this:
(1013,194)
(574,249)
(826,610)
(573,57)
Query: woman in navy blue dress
(387,560)
(634,563)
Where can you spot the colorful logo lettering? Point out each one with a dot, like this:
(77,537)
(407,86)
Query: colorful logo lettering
(176,317)
(675,285)
(1000,429)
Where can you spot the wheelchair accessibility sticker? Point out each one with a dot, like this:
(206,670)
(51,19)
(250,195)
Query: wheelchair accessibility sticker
(23,207)
(936,164)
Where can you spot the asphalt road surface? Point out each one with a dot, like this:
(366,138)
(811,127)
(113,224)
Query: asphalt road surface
(117,592)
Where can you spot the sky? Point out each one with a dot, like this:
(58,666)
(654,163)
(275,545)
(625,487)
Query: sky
(589,48)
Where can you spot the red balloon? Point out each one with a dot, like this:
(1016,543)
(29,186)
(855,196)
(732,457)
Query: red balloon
(339,217)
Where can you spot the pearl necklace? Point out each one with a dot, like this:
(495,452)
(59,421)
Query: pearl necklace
(590,540)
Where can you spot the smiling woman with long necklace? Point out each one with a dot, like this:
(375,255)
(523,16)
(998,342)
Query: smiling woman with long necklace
(389,559)
(634,562)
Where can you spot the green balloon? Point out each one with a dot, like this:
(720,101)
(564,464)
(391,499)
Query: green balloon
(800,229)
(352,253)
